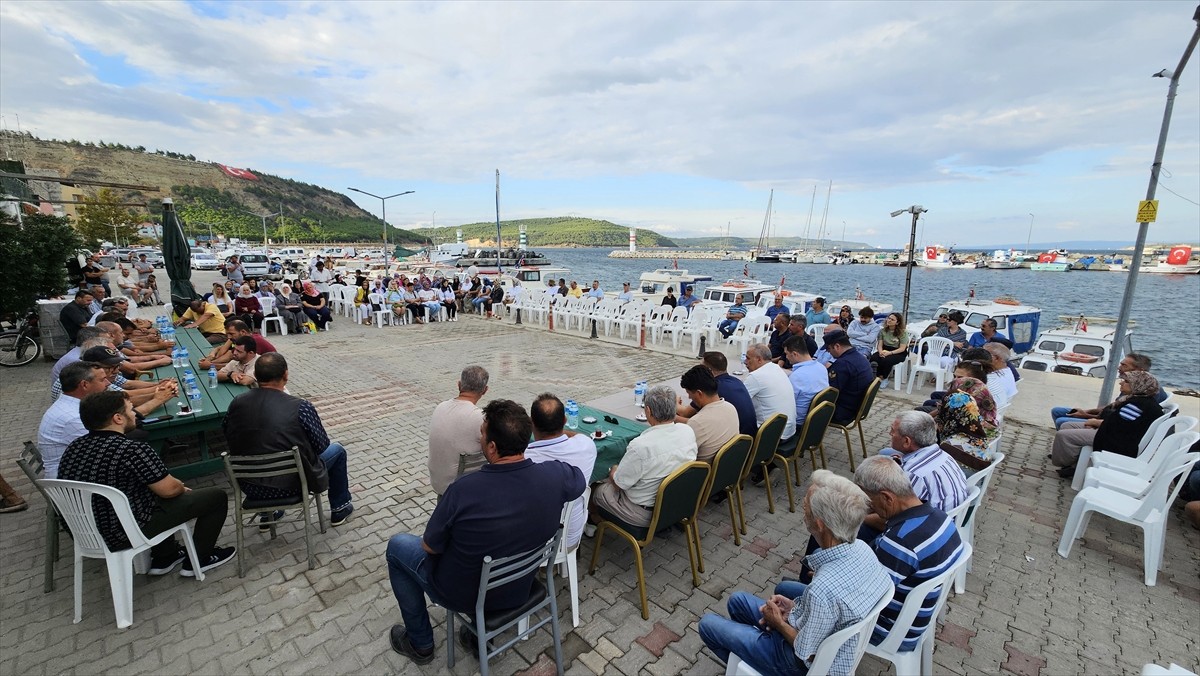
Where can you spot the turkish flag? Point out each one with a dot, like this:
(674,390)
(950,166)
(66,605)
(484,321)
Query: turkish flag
(1047,257)
(930,253)
(1179,255)
(238,173)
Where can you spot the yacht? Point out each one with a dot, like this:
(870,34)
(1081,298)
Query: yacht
(722,295)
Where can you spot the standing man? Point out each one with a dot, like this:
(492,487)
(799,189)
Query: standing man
(95,273)
(235,271)
(240,368)
(454,429)
(850,372)
(76,314)
(550,442)
(320,277)
(735,314)
(144,270)
(267,419)
(632,486)
(159,501)
(717,420)
(511,505)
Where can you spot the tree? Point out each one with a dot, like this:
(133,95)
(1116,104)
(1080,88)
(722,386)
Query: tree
(96,220)
(39,248)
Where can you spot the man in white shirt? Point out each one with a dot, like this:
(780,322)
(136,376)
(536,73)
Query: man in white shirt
(320,277)
(454,429)
(632,486)
(717,420)
(769,388)
(1000,381)
(61,424)
(550,442)
(626,294)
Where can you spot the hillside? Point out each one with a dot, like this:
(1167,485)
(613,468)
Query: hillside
(563,231)
(204,194)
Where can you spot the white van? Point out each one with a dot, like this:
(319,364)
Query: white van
(291,253)
(339,252)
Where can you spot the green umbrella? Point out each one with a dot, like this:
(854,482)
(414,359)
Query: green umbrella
(177,258)
(401,252)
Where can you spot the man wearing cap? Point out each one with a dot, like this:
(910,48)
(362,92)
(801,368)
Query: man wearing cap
(932,329)
(735,314)
(850,372)
(145,395)
(686,299)
(626,294)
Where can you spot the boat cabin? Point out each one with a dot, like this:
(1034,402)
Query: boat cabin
(1076,348)
(654,284)
(722,295)
(1015,321)
(796,302)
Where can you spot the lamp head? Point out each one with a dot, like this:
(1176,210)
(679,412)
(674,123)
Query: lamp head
(1165,72)
(897,213)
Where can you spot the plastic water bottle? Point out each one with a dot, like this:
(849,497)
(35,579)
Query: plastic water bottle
(212,377)
(639,393)
(743,357)
(175,356)
(572,414)
(189,381)
(184,357)
(194,396)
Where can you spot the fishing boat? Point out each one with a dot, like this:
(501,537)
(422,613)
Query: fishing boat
(447,253)
(1003,259)
(531,277)
(795,302)
(1177,261)
(1050,262)
(508,258)
(938,256)
(1014,320)
(722,295)
(653,284)
(1080,346)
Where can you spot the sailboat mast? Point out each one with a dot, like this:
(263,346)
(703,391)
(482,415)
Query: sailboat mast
(825,217)
(808,225)
(765,234)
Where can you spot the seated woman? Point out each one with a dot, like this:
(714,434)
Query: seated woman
(315,306)
(1118,428)
(247,308)
(845,317)
(670,298)
(891,348)
(449,301)
(967,368)
(395,298)
(288,302)
(362,302)
(966,417)
(495,296)
(953,330)
(864,333)
(221,300)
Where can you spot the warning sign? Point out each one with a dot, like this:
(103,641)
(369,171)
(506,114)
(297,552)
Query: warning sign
(1147,211)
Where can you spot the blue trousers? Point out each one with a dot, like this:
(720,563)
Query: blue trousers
(409,570)
(334,458)
(741,635)
(727,326)
(1059,415)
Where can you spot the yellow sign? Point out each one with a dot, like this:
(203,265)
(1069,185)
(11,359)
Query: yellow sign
(1147,211)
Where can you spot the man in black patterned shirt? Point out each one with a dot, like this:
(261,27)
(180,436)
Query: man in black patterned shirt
(159,501)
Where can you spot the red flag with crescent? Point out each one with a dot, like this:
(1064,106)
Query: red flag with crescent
(1179,255)
(1047,257)
(782,280)
(930,253)
(238,173)
(675,264)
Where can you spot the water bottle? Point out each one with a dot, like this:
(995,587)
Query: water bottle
(175,356)
(184,357)
(189,380)
(194,396)
(212,377)
(743,357)
(572,414)
(639,393)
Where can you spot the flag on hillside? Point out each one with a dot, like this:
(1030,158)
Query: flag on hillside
(238,173)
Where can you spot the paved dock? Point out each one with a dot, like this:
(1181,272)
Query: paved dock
(1026,610)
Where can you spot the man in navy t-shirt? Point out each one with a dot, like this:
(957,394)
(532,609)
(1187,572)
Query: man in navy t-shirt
(511,505)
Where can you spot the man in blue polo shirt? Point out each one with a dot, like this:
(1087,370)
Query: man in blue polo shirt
(511,505)
(808,377)
(850,372)
(686,299)
(735,314)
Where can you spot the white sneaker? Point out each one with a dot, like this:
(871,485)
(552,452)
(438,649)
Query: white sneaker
(590,530)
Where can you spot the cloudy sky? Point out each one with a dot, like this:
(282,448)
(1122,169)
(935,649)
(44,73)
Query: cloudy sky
(675,116)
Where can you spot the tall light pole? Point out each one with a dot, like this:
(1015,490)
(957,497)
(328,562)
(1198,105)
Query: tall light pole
(264,218)
(1121,334)
(916,210)
(383,206)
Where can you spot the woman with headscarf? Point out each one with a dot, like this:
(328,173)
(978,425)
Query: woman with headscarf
(449,301)
(1118,428)
(247,308)
(288,302)
(845,317)
(395,297)
(315,306)
(966,416)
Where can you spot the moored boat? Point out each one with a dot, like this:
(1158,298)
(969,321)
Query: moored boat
(653,284)
(1080,346)
(722,295)
(1014,320)
(1003,259)
(1178,261)
(1049,262)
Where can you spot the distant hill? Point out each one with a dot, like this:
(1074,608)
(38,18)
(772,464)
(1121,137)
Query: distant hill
(746,243)
(563,231)
(204,194)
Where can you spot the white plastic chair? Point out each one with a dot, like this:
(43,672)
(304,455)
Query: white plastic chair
(1149,443)
(900,372)
(828,650)
(271,315)
(750,331)
(931,363)
(73,499)
(816,330)
(1173,670)
(1147,512)
(673,322)
(350,309)
(385,313)
(567,558)
(563,308)
(696,326)
(630,317)
(981,480)
(1136,484)
(337,302)
(584,312)
(919,660)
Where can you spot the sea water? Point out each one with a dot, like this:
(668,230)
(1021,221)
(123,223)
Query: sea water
(1166,307)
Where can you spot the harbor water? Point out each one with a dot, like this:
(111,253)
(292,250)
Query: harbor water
(1165,307)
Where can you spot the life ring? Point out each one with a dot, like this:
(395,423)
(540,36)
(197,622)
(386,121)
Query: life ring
(783,294)
(1079,358)
(1006,300)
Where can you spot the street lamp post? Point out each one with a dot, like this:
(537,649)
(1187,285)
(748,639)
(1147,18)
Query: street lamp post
(916,210)
(383,209)
(264,218)
(1029,236)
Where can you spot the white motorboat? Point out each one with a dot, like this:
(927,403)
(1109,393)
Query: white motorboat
(654,284)
(532,277)
(722,295)
(1014,320)
(938,256)
(1080,346)
(880,308)
(1005,259)
(794,301)
(447,253)
(1178,261)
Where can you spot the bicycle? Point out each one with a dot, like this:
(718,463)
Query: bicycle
(20,346)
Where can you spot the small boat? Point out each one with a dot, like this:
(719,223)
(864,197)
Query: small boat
(532,277)
(880,308)
(938,256)
(1178,261)
(654,284)
(1049,262)
(447,253)
(722,295)
(1002,259)
(794,301)
(1014,320)
(508,258)
(1080,346)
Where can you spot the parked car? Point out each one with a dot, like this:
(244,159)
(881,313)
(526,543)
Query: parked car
(153,256)
(203,260)
(254,264)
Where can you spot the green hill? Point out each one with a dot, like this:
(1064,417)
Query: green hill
(563,231)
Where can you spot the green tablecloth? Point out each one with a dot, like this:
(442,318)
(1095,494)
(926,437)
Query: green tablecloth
(213,405)
(609,450)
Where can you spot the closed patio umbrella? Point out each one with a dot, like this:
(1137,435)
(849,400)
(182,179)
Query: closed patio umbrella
(177,259)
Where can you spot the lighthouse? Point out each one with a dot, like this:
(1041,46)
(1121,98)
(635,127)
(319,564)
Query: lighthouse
(632,240)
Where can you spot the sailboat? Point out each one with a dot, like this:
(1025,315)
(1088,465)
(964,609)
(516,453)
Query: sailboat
(821,256)
(762,252)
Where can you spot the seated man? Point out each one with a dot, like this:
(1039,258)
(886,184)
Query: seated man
(850,372)
(777,308)
(595,292)
(730,389)
(629,493)
(935,476)
(822,353)
(132,289)
(267,419)
(550,442)
(206,317)
(717,420)
(1000,380)
(454,428)
(807,376)
(798,326)
(510,506)
(240,369)
(159,501)
(145,395)
(735,314)
(781,635)
(987,334)
(76,314)
(60,423)
(135,359)
(626,294)
(781,330)
(235,328)
(686,299)
(864,333)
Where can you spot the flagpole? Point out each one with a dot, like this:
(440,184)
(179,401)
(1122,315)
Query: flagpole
(498,269)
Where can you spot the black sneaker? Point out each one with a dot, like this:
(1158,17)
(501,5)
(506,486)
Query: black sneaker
(266,519)
(168,564)
(219,556)
(468,641)
(404,646)
(339,516)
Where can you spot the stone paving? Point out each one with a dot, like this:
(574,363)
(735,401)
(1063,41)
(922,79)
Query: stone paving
(1026,610)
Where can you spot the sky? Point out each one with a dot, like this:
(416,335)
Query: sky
(1000,118)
